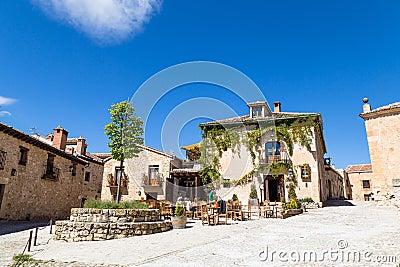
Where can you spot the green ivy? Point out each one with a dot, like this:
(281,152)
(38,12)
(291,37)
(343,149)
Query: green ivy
(217,139)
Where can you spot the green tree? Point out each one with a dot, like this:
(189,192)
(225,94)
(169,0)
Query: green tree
(125,134)
(253,191)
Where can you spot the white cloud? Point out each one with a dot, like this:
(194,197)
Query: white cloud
(6,100)
(4,113)
(107,21)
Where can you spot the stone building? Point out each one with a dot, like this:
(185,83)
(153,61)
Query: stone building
(361,181)
(275,160)
(44,177)
(334,183)
(347,187)
(144,177)
(383,133)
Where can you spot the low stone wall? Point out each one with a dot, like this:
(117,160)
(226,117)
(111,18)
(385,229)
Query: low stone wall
(114,215)
(310,205)
(291,212)
(106,224)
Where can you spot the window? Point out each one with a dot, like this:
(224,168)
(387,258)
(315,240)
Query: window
(153,171)
(87,176)
(272,148)
(365,184)
(23,155)
(51,173)
(73,169)
(50,164)
(153,174)
(257,112)
(3,155)
(305,171)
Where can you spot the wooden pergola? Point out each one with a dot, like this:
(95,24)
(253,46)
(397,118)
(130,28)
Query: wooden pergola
(190,180)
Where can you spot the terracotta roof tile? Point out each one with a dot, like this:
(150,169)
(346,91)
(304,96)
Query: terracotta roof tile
(359,168)
(246,118)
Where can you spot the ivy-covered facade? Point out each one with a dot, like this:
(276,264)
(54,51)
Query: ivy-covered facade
(274,150)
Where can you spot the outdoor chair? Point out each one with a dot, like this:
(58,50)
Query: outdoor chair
(266,210)
(222,212)
(237,213)
(204,214)
(253,208)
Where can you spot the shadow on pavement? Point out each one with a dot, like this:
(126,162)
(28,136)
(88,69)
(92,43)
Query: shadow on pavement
(8,227)
(337,203)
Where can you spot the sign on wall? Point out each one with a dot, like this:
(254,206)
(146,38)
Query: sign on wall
(396,182)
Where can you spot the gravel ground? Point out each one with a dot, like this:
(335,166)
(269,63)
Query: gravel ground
(368,233)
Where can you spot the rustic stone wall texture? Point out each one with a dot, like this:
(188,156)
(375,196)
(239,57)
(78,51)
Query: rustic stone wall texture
(106,224)
(28,196)
(383,133)
(136,168)
(356,180)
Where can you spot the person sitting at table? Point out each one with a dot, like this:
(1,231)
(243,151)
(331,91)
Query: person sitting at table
(193,205)
(180,198)
(221,206)
(188,203)
(210,196)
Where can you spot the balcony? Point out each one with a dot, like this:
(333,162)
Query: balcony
(113,184)
(282,156)
(153,184)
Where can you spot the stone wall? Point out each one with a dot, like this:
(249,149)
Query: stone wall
(234,167)
(136,169)
(383,133)
(356,181)
(28,196)
(106,224)
(334,184)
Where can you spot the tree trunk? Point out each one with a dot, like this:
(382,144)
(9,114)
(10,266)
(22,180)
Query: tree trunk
(121,165)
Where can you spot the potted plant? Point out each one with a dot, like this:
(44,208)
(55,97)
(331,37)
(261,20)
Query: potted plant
(179,220)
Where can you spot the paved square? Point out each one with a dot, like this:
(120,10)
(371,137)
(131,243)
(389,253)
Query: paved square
(369,234)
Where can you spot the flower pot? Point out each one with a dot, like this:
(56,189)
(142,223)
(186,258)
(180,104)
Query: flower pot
(179,222)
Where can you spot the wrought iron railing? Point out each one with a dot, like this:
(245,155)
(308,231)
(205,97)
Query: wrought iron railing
(158,180)
(282,156)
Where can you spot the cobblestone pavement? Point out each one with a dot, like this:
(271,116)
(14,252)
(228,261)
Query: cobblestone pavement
(368,234)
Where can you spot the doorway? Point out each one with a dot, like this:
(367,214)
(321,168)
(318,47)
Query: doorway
(329,189)
(2,189)
(273,188)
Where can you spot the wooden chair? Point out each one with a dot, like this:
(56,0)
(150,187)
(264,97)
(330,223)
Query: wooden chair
(237,213)
(253,208)
(165,211)
(222,212)
(266,210)
(204,214)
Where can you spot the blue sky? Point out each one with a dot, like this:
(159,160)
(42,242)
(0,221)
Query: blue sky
(314,56)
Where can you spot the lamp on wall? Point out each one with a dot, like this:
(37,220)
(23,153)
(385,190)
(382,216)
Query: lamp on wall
(290,173)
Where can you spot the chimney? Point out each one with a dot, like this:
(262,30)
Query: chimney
(81,146)
(50,137)
(277,106)
(366,106)
(60,138)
